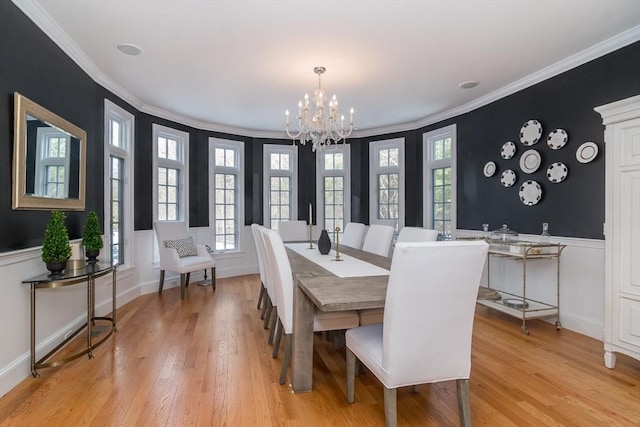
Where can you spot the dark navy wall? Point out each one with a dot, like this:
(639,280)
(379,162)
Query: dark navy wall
(574,208)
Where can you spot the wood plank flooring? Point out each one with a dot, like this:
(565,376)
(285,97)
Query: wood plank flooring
(204,361)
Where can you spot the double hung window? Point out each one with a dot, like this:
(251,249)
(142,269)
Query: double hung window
(170,148)
(440,180)
(281,184)
(386,188)
(334,188)
(226,184)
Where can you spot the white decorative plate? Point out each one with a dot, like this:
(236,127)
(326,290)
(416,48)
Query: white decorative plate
(530,132)
(557,172)
(557,139)
(587,152)
(530,161)
(530,193)
(508,178)
(508,150)
(489,169)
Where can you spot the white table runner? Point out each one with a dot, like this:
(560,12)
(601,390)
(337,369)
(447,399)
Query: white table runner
(350,267)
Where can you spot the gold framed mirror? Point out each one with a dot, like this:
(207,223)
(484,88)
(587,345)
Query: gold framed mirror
(49,159)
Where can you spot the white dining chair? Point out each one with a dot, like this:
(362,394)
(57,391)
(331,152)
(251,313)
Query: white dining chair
(293,231)
(179,253)
(378,239)
(428,322)
(283,278)
(270,309)
(352,236)
(417,234)
(262,296)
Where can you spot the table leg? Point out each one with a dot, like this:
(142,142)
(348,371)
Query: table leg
(113,300)
(90,319)
(33,331)
(302,351)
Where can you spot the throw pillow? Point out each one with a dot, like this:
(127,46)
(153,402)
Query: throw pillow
(185,247)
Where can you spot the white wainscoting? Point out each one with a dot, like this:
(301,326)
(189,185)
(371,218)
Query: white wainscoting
(62,310)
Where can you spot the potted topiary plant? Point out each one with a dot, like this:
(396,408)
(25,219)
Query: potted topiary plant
(55,246)
(92,237)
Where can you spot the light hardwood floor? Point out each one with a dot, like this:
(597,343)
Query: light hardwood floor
(204,361)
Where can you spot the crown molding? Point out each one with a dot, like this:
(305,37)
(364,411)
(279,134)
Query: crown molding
(34,12)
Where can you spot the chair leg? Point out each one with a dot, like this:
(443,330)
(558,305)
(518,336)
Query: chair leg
(464,407)
(188,277)
(351,375)
(266,301)
(274,318)
(182,285)
(276,344)
(213,278)
(261,296)
(337,337)
(267,313)
(161,281)
(286,359)
(390,407)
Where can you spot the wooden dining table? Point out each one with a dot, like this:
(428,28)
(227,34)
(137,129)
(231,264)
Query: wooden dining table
(318,288)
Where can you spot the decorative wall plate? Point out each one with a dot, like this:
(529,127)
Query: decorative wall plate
(587,152)
(530,132)
(530,161)
(489,169)
(557,139)
(530,193)
(508,150)
(557,172)
(508,178)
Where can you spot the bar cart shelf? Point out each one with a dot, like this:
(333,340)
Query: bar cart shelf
(519,305)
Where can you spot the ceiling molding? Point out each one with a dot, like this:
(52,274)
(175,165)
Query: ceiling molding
(33,10)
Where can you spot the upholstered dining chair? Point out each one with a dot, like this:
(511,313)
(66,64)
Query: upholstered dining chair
(417,234)
(263,280)
(428,322)
(283,278)
(269,309)
(293,231)
(378,239)
(179,253)
(352,236)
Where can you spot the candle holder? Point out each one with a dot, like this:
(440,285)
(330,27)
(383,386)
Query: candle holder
(337,258)
(310,236)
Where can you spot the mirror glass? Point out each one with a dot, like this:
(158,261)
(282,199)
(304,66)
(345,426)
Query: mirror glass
(48,159)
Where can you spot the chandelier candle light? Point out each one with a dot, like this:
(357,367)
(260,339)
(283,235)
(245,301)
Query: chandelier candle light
(324,126)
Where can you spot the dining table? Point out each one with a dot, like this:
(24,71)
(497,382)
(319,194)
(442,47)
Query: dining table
(357,282)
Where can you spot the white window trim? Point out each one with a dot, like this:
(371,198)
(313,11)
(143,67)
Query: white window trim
(183,165)
(44,161)
(268,150)
(451,131)
(321,173)
(374,170)
(238,146)
(128,152)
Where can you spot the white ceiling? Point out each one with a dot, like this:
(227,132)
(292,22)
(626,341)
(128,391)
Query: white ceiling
(238,65)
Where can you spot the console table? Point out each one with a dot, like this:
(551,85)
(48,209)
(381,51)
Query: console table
(89,273)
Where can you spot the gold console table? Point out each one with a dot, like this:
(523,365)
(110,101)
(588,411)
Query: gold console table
(89,273)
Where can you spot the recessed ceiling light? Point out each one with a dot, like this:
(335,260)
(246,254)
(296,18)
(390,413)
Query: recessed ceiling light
(129,49)
(468,85)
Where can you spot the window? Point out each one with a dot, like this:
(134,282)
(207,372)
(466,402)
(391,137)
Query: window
(226,186)
(440,180)
(281,184)
(170,149)
(334,187)
(51,169)
(386,183)
(119,128)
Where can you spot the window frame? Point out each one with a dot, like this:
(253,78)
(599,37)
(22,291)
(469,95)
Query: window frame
(429,165)
(268,173)
(182,164)
(321,173)
(374,170)
(238,148)
(126,153)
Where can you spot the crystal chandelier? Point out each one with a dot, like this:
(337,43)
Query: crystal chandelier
(324,126)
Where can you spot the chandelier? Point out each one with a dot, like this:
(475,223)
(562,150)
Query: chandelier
(325,126)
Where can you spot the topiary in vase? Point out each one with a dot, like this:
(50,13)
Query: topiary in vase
(55,246)
(92,236)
